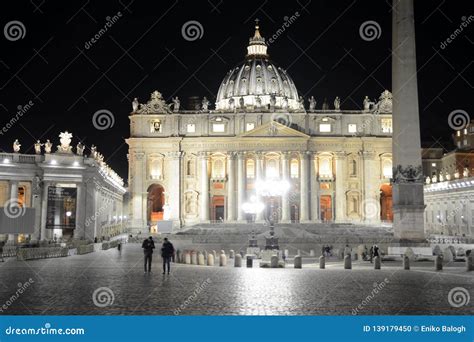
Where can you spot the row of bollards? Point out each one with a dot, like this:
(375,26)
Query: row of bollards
(199,258)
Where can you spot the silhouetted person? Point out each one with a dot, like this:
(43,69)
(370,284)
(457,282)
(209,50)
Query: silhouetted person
(167,252)
(148,245)
(371,254)
(376,251)
(1,251)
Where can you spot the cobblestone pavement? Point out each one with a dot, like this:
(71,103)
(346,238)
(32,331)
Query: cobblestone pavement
(66,286)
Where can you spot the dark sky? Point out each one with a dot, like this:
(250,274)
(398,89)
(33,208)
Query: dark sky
(145,50)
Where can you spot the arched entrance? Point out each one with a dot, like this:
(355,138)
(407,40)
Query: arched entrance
(326,207)
(386,213)
(155,204)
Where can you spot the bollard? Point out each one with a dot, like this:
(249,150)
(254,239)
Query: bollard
(200,259)
(274,261)
(311,253)
(322,262)
(187,258)
(210,260)
(238,260)
(298,261)
(298,252)
(222,259)
(193,258)
(249,261)
(215,254)
(347,262)
(469,263)
(439,263)
(406,262)
(231,254)
(377,263)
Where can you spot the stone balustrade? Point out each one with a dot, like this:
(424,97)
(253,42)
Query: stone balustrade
(41,253)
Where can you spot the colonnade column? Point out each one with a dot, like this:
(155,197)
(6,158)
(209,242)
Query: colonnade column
(340,197)
(285,199)
(80,232)
(44,210)
(259,178)
(204,187)
(230,187)
(13,202)
(174,191)
(314,186)
(240,185)
(371,200)
(304,186)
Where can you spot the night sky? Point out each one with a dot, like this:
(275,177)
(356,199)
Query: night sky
(145,50)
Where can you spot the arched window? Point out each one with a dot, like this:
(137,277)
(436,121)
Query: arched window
(294,168)
(325,167)
(250,168)
(387,168)
(272,169)
(155,170)
(218,168)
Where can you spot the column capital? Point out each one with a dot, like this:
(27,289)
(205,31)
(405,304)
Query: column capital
(139,155)
(175,154)
(367,154)
(259,155)
(241,155)
(286,155)
(304,154)
(340,155)
(203,155)
(231,155)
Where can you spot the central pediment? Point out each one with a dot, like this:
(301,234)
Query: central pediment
(274,129)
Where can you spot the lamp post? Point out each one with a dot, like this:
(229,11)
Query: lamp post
(251,209)
(272,188)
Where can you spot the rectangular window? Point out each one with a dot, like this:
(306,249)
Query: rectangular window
(325,128)
(191,128)
(218,128)
(249,126)
(465,142)
(386,125)
(352,128)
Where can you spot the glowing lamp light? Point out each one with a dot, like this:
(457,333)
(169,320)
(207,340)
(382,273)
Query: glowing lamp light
(6,161)
(54,162)
(68,213)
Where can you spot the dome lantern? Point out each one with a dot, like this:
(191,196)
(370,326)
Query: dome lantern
(257,45)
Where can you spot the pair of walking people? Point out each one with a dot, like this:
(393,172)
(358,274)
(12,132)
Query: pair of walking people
(167,252)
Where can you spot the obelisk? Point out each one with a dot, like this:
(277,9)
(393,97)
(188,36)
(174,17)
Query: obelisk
(408,202)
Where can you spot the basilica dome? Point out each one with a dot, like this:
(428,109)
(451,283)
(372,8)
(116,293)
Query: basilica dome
(257,83)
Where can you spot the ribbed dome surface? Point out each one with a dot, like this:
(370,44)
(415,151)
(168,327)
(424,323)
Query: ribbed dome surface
(256,81)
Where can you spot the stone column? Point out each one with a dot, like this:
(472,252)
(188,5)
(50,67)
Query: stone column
(174,191)
(285,199)
(138,221)
(12,238)
(304,187)
(371,202)
(36,203)
(44,210)
(204,187)
(408,202)
(231,186)
(258,178)
(340,199)
(314,186)
(79,232)
(240,185)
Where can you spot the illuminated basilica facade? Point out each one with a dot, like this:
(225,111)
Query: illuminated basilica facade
(189,167)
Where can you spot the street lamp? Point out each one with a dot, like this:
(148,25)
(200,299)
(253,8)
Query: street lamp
(272,188)
(251,210)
